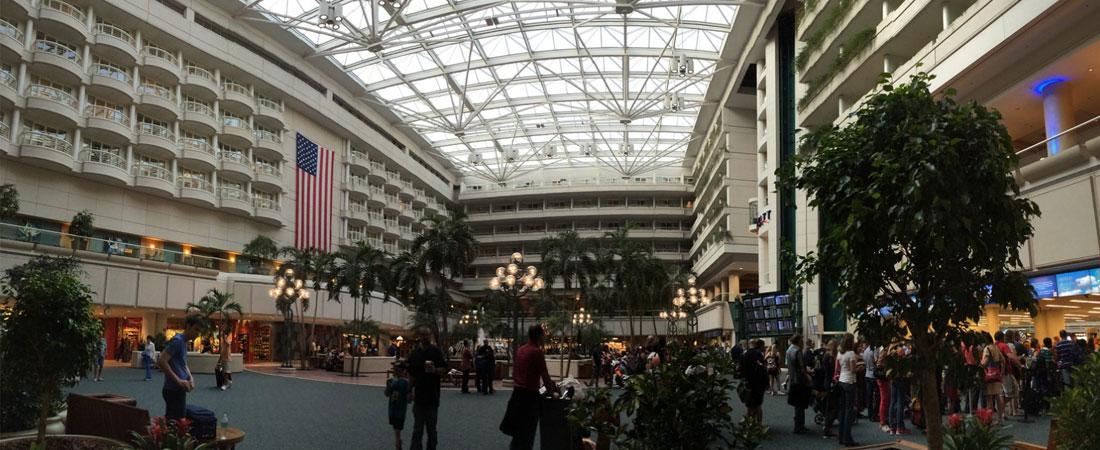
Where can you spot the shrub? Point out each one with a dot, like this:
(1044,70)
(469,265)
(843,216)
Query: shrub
(1078,409)
(975,433)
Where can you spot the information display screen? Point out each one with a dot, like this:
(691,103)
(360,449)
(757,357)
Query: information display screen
(1044,286)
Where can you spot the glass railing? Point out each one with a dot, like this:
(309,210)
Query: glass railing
(196,71)
(110,72)
(198,108)
(233,157)
(587,181)
(157,91)
(59,49)
(103,112)
(265,203)
(198,145)
(269,103)
(235,122)
(152,129)
(64,7)
(47,140)
(232,193)
(151,171)
(11,29)
(230,86)
(265,135)
(267,169)
(5,130)
(159,53)
(7,78)
(52,93)
(356,236)
(103,157)
(186,182)
(116,32)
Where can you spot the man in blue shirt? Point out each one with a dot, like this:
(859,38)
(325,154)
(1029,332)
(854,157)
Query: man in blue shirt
(177,376)
(1068,356)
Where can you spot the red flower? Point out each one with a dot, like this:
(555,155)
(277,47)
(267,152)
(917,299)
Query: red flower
(956,422)
(182,425)
(158,433)
(985,416)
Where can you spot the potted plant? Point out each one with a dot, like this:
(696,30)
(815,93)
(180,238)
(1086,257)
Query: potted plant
(81,229)
(167,435)
(49,336)
(259,250)
(1076,409)
(975,433)
(9,201)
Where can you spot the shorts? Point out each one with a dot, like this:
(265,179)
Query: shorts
(398,424)
(98,360)
(1008,385)
(756,397)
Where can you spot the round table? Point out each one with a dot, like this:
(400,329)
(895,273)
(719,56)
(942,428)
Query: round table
(226,438)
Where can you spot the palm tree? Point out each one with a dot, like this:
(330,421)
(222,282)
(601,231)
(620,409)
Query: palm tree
(628,267)
(326,266)
(445,248)
(568,256)
(216,303)
(359,274)
(304,263)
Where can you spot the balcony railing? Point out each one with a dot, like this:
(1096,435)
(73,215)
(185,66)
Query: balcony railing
(114,247)
(151,171)
(116,32)
(103,157)
(267,169)
(588,181)
(159,53)
(375,165)
(47,140)
(59,49)
(104,112)
(269,103)
(199,145)
(157,91)
(7,78)
(66,8)
(5,130)
(199,108)
(11,29)
(265,135)
(110,72)
(186,182)
(196,71)
(232,193)
(236,157)
(359,155)
(236,122)
(152,129)
(356,236)
(51,93)
(358,181)
(230,86)
(265,203)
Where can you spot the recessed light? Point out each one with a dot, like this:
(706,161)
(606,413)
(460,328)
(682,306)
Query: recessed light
(1061,306)
(1094,302)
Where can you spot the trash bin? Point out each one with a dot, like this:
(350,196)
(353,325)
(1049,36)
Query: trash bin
(555,433)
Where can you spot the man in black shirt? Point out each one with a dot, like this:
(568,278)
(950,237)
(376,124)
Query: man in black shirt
(753,373)
(597,365)
(485,364)
(426,367)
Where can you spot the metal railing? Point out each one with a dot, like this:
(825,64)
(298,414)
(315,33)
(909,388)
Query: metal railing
(7,78)
(116,32)
(236,157)
(5,130)
(198,145)
(1063,133)
(159,53)
(11,29)
(198,108)
(587,181)
(47,140)
(197,71)
(103,157)
(232,193)
(359,155)
(235,122)
(51,93)
(151,171)
(229,86)
(59,49)
(157,91)
(66,8)
(152,129)
(110,72)
(104,112)
(268,169)
(186,182)
(269,103)
(265,203)
(265,135)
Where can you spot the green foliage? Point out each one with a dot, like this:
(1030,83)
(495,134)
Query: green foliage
(49,334)
(82,224)
(682,404)
(260,249)
(972,434)
(569,257)
(216,304)
(444,251)
(923,212)
(9,201)
(463,332)
(813,42)
(1078,409)
(167,435)
(847,53)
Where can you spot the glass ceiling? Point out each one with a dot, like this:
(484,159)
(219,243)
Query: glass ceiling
(501,88)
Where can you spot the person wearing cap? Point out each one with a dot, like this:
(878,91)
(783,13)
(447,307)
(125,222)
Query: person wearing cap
(397,390)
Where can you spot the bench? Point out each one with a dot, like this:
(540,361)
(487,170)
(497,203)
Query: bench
(105,415)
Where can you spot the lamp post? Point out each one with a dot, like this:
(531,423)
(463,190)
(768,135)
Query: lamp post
(287,290)
(684,306)
(515,281)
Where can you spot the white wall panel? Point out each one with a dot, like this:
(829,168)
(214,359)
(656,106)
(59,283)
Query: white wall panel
(152,290)
(1066,231)
(96,279)
(121,287)
(181,291)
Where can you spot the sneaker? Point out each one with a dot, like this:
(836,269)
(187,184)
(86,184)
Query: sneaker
(902,431)
(886,429)
(223,387)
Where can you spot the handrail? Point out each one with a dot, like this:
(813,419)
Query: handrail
(111,30)
(375,165)
(47,140)
(187,182)
(63,50)
(103,112)
(11,29)
(269,103)
(200,108)
(236,157)
(110,72)
(1070,130)
(7,78)
(116,247)
(151,171)
(359,155)
(264,203)
(5,130)
(232,193)
(51,93)
(153,129)
(157,91)
(235,122)
(199,72)
(265,135)
(103,157)
(586,181)
(157,52)
(268,169)
(199,145)
(229,86)
(66,8)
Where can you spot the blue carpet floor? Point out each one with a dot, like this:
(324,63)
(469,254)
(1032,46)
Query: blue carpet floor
(284,413)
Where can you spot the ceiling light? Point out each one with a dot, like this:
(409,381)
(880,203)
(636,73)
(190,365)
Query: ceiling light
(1093,302)
(1060,306)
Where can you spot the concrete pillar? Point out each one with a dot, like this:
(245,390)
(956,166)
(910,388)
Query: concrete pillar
(90,17)
(16,124)
(1049,322)
(179,95)
(137,77)
(890,63)
(1058,114)
(28,35)
(87,61)
(133,116)
(77,143)
(81,99)
(992,318)
(21,81)
(734,285)
(129,156)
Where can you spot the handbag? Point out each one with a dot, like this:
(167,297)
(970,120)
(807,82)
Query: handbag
(992,370)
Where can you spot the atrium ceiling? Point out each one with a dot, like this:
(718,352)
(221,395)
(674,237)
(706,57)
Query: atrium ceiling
(501,88)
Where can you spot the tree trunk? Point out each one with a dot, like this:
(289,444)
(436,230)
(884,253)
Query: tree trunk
(444,308)
(630,320)
(930,399)
(43,414)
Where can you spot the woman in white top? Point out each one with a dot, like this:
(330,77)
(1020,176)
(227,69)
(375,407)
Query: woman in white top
(148,356)
(846,364)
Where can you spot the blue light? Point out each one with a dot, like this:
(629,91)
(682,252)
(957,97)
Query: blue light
(1047,82)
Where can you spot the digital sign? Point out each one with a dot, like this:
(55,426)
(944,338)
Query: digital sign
(1075,283)
(1044,286)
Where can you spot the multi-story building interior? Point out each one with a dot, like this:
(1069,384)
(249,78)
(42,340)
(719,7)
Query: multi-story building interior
(177,123)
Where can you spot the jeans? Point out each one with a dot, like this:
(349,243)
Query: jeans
(148,367)
(847,411)
(870,397)
(424,416)
(899,390)
(175,403)
(883,401)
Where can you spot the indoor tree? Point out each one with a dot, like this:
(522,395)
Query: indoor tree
(9,201)
(326,268)
(259,250)
(216,304)
(631,271)
(446,248)
(358,274)
(49,333)
(81,228)
(303,261)
(920,214)
(570,257)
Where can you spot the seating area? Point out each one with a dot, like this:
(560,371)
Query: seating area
(105,415)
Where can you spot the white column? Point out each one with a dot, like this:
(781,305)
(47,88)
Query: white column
(21,79)
(28,35)
(176,129)
(138,41)
(1058,115)
(179,95)
(91,17)
(15,125)
(77,143)
(217,111)
(129,157)
(87,57)
(133,116)
(81,99)
(137,77)
(175,169)
(179,60)
(218,76)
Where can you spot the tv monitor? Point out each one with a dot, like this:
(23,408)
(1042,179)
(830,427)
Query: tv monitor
(769,300)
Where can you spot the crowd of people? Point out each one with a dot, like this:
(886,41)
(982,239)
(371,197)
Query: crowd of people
(849,378)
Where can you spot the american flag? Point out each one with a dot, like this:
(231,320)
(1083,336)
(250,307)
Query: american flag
(313,208)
